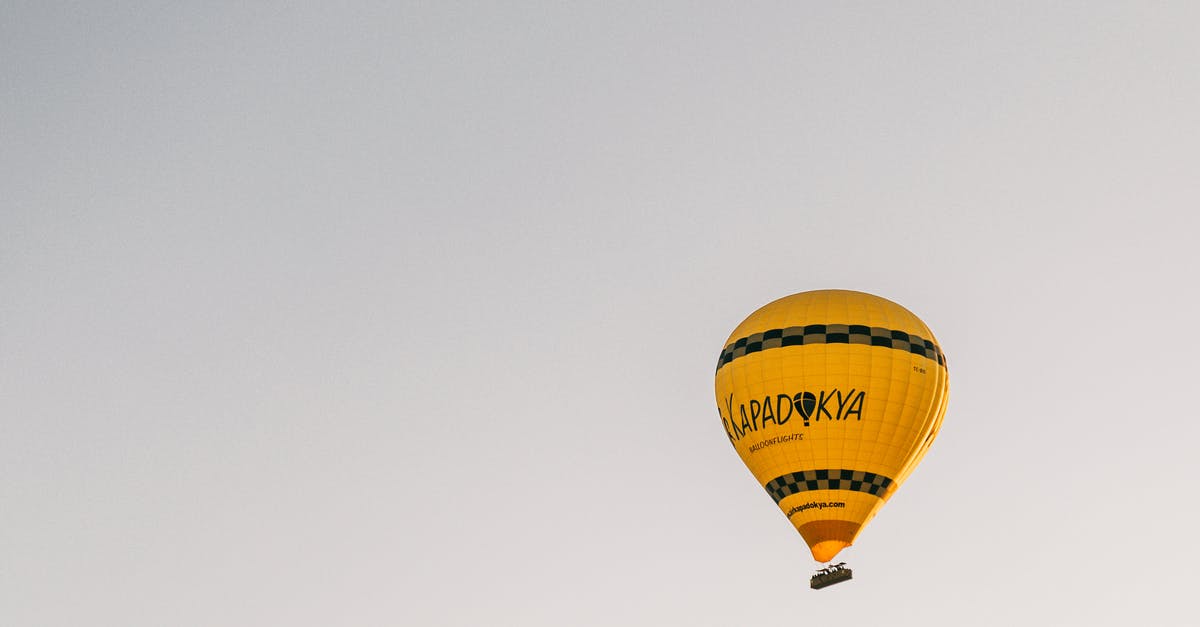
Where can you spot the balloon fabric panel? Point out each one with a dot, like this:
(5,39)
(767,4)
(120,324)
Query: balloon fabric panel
(831,398)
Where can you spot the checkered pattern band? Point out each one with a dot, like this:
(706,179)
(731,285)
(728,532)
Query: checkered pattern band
(832,334)
(857,480)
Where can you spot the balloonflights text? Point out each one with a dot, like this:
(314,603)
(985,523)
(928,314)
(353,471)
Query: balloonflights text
(779,439)
(778,410)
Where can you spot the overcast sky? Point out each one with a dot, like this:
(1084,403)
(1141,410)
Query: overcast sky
(407,313)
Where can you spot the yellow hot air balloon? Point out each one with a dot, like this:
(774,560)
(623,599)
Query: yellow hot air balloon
(831,398)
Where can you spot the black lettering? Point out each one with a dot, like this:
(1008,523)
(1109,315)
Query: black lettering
(779,417)
(755,411)
(821,406)
(856,406)
(842,402)
(805,402)
(767,412)
(729,410)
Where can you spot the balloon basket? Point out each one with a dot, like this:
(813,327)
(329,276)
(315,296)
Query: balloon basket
(831,575)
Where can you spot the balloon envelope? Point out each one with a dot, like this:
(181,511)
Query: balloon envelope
(831,398)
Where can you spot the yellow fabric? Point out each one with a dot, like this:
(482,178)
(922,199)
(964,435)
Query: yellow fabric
(873,407)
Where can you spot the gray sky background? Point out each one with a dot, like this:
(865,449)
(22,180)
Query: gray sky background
(407,313)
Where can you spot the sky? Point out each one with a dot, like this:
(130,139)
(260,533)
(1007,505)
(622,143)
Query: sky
(407,313)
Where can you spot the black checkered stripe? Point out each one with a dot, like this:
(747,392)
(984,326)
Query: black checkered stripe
(832,334)
(782,487)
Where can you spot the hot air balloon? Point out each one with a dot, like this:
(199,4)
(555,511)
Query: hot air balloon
(831,398)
